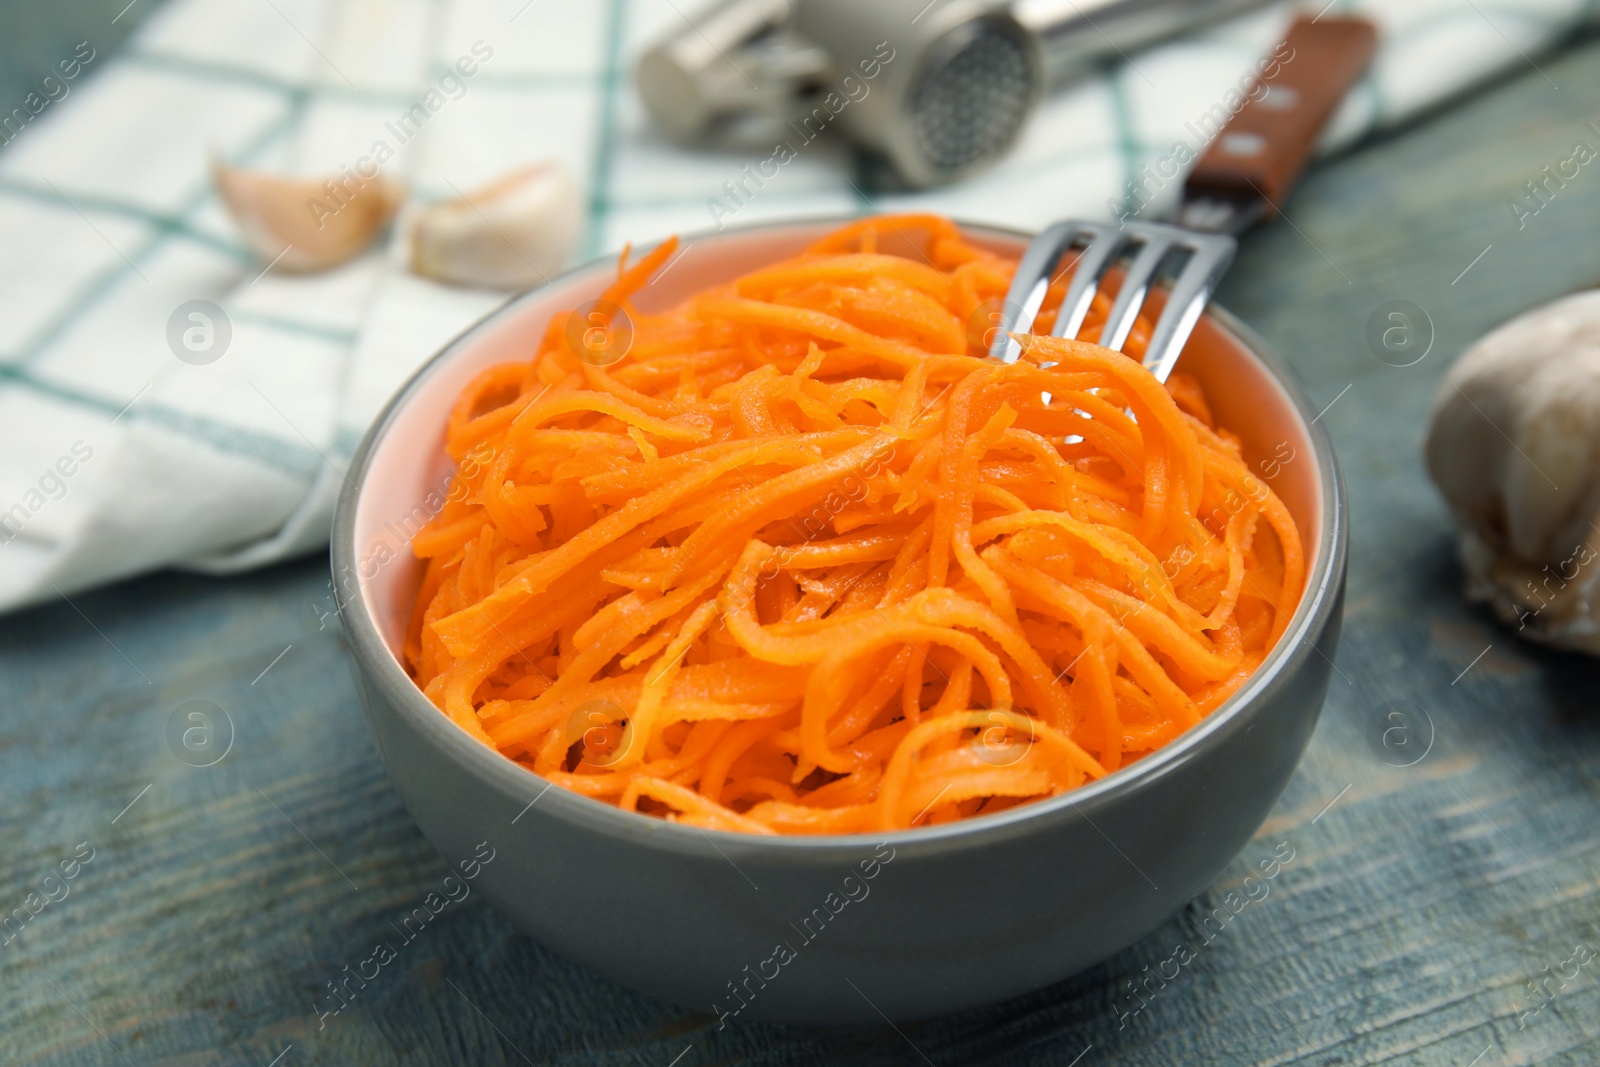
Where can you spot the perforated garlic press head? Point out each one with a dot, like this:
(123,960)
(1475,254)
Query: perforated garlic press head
(938,89)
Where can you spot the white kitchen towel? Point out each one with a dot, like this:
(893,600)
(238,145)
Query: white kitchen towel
(117,456)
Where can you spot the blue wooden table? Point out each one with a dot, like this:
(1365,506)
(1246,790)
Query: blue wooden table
(1437,908)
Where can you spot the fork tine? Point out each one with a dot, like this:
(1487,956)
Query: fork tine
(1029,285)
(1135,284)
(1104,244)
(1190,291)
(1209,257)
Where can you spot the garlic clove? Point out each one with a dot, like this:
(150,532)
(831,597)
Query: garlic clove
(300,224)
(514,233)
(1514,446)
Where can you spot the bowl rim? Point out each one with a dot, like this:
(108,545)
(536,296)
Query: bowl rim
(382,670)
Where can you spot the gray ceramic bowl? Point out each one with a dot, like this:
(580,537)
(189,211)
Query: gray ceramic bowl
(836,929)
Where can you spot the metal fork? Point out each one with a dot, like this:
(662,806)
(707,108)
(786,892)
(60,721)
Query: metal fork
(1243,174)
(1152,245)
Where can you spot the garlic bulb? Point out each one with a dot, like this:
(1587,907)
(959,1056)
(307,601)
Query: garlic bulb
(511,234)
(301,224)
(1514,446)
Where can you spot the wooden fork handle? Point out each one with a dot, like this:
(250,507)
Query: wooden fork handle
(1262,149)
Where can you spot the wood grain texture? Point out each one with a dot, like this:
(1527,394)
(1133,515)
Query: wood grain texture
(1417,907)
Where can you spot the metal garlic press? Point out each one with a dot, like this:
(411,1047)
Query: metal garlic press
(937,89)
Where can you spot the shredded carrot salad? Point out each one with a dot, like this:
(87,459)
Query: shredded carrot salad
(799,562)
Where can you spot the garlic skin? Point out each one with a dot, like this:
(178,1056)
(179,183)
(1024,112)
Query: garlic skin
(301,224)
(514,233)
(1514,445)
